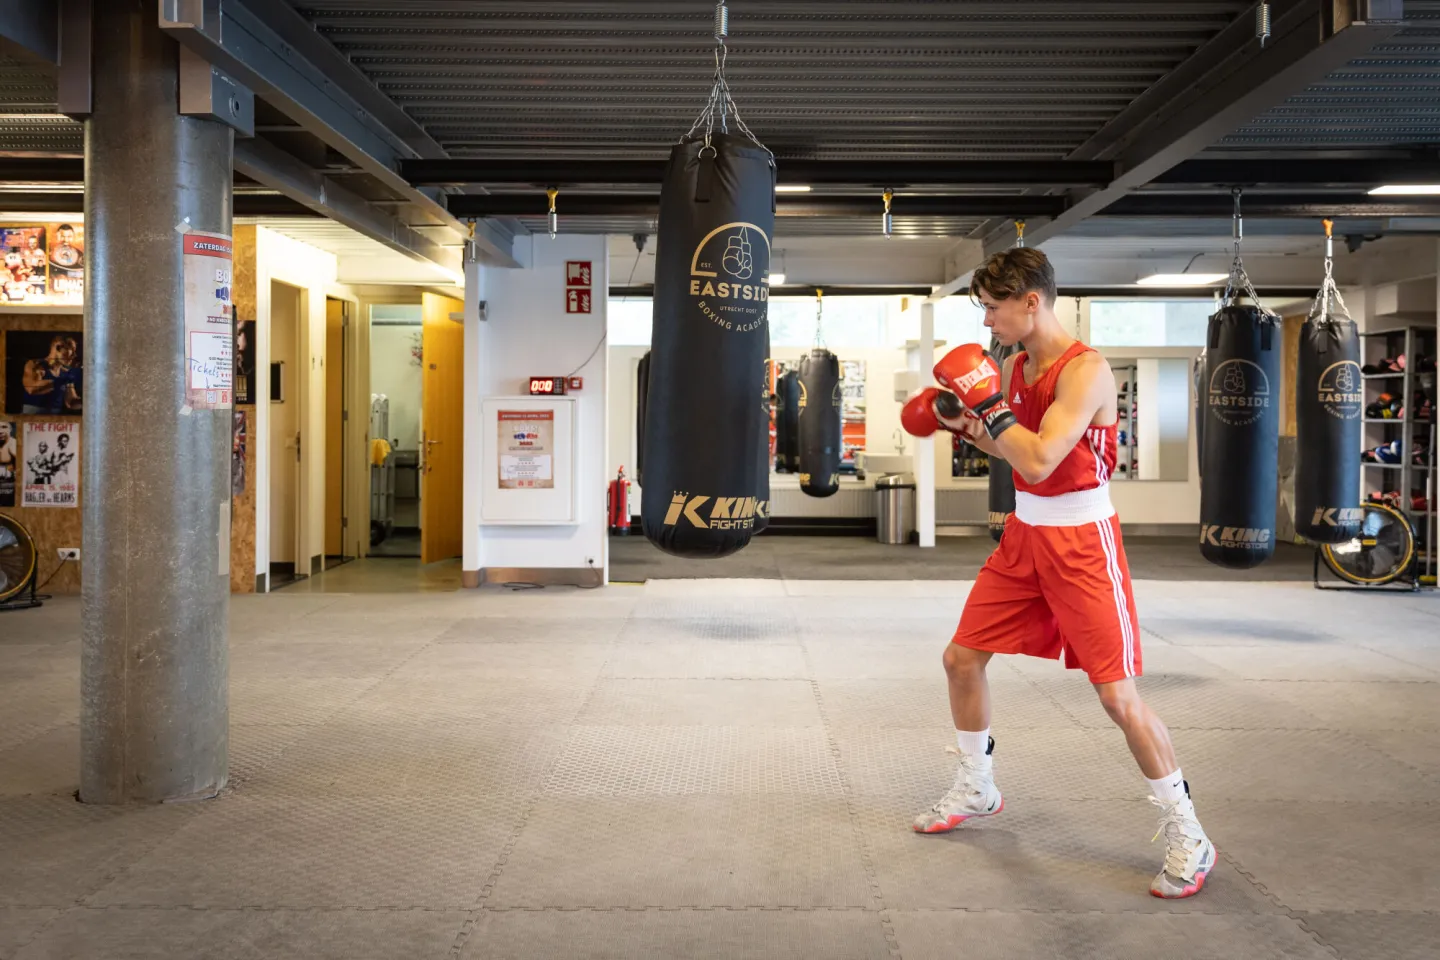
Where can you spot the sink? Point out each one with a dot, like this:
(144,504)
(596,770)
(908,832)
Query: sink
(879,464)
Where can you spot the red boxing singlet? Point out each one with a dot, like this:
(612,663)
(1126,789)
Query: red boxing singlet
(1092,462)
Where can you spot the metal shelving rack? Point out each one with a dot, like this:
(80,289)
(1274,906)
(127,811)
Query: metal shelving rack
(1127,455)
(1413,342)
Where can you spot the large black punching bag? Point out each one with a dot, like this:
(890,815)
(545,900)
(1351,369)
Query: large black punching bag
(642,397)
(1002,477)
(1328,404)
(820,428)
(1199,376)
(1240,460)
(787,422)
(704,432)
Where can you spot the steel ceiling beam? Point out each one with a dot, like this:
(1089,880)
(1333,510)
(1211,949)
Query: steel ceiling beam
(544,173)
(271,49)
(1300,171)
(788,205)
(1282,206)
(30,30)
(1223,86)
(244,204)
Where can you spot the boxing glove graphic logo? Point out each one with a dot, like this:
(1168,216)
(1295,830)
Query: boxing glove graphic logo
(1239,391)
(1339,390)
(739,259)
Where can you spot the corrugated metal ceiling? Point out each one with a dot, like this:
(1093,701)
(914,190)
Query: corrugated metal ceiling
(845,79)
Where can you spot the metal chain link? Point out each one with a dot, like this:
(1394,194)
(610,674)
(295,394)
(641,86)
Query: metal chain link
(1239,281)
(721,104)
(1321,308)
(819,314)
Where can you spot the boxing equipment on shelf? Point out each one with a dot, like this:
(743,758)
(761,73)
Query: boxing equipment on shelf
(706,436)
(819,430)
(787,422)
(1328,398)
(1240,457)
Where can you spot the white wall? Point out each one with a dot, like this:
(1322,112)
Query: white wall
(394,372)
(526,333)
(284,422)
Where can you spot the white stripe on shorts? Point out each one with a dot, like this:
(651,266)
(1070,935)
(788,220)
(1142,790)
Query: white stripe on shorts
(1117,585)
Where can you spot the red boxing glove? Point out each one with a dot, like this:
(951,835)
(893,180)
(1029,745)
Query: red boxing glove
(921,414)
(972,374)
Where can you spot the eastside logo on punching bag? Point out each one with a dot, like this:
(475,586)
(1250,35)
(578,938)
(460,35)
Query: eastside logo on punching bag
(1239,392)
(724,262)
(1339,390)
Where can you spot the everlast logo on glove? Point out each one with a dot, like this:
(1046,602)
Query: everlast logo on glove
(1243,538)
(726,513)
(1337,516)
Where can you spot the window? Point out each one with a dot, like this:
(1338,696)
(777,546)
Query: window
(849,322)
(1149,323)
(628,320)
(960,320)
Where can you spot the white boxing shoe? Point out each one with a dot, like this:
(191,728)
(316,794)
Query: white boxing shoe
(973,795)
(1189,854)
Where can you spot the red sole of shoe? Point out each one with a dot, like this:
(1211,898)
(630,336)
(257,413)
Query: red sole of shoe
(1195,887)
(952,824)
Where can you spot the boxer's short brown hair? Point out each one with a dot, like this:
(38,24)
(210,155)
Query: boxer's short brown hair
(1014,273)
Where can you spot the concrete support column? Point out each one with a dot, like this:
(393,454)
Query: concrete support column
(155,664)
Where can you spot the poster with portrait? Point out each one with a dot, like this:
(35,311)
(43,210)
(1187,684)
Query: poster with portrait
(52,464)
(245,362)
(65,247)
(9,461)
(44,372)
(23,265)
(527,444)
(239,436)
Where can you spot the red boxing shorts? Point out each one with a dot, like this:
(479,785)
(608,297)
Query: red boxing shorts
(1058,590)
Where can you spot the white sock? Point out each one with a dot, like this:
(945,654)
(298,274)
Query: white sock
(974,744)
(1169,789)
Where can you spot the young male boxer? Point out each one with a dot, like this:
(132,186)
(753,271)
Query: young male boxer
(1058,585)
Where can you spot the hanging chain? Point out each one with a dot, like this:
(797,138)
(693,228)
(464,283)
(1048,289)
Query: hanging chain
(1321,308)
(819,314)
(721,105)
(1239,282)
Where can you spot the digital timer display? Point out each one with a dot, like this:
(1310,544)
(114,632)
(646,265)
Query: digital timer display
(547,386)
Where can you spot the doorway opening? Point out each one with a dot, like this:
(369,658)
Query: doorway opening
(287,562)
(340,545)
(396,395)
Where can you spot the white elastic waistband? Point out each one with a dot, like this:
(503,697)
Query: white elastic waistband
(1065,509)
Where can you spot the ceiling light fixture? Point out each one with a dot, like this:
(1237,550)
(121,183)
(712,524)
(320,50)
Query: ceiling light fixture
(1180,279)
(1407,190)
(776,279)
(792,188)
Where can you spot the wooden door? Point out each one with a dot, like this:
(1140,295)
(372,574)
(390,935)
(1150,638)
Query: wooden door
(442,440)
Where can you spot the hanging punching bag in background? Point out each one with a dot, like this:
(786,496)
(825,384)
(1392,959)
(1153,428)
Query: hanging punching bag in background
(820,429)
(762,455)
(1199,378)
(1240,459)
(1328,404)
(1002,478)
(703,429)
(787,422)
(642,395)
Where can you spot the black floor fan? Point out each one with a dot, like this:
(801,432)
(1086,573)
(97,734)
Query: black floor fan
(18,562)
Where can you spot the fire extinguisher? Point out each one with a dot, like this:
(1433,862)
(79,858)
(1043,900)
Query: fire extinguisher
(620,505)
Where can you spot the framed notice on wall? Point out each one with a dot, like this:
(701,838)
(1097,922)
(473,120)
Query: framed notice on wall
(528,465)
(209,322)
(52,464)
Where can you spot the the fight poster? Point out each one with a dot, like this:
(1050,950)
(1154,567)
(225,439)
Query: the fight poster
(44,372)
(65,246)
(527,441)
(238,438)
(244,362)
(23,265)
(9,461)
(52,464)
(209,322)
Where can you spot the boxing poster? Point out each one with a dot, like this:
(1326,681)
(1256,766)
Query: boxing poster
(23,265)
(238,438)
(527,444)
(244,362)
(44,372)
(52,464)
(209,322)
(9,461)
(65,247)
